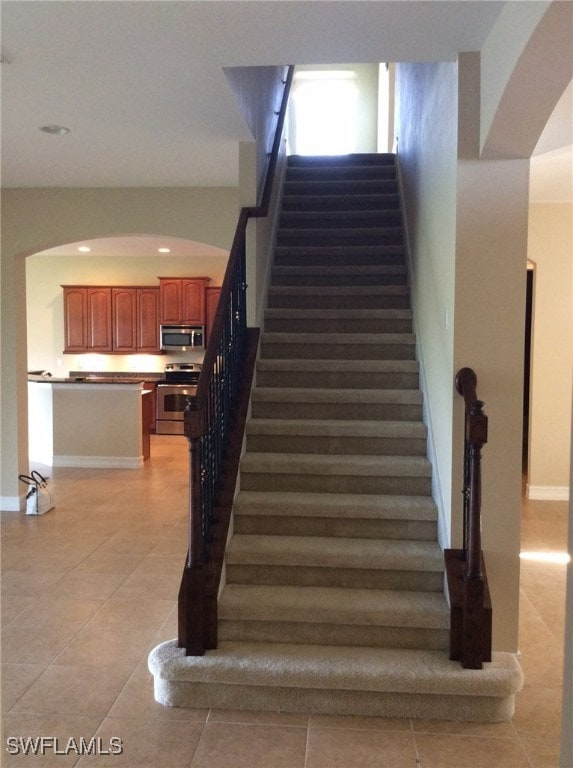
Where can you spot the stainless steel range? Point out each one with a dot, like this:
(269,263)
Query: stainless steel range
(172,392)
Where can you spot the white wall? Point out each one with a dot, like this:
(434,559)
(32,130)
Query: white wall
(45,274)
(550,248)
(468,229)
(426,127)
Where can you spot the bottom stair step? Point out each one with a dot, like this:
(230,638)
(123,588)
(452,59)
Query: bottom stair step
(336,680)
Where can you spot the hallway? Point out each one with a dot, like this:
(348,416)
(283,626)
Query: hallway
(89,588)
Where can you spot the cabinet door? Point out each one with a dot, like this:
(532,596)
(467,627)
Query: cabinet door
(211,303)
(148,319)
(99,320)
(124,318)
(75,319)
(193,301)
(170,297)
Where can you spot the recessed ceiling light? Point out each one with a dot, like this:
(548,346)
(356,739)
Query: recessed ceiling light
(164,250)
(84,249)
(55,130)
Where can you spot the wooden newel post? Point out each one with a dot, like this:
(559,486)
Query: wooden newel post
(473,627)
(191,603)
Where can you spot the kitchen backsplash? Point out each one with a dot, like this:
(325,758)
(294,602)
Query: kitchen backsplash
(118,363)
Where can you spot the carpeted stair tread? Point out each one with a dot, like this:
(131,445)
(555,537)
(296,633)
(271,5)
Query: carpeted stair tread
(346,219)
(347,338)
(379,202)
(325,552)
(340,314)
(344,270)
(338,668)
(334,505)
(319,464)
(337,428)
(339,396)
(354,366)
(316,605)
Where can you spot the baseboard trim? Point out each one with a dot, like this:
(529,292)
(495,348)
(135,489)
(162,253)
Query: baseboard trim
(547,492)
(98,462)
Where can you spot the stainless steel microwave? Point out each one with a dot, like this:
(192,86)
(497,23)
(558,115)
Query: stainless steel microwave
(180,338)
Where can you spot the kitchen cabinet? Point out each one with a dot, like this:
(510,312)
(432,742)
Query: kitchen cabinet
(87,319)
(111,319)
(135,313)
(211,303)
(147,329)
(182,300)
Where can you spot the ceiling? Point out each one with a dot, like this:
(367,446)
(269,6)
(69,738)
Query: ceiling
(141,84)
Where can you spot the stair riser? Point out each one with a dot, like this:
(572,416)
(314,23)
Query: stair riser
(371,446)
(340,173)
(359,187)
(336,237)
(328,701)
(350,325)
(350,380)
(351,160)
(415,486)
(346,578)
(300,351)
(339,219)
(332,634)
(365,528)
(324,280)
(307,203)
(304,300)
(351,411)
(392,255)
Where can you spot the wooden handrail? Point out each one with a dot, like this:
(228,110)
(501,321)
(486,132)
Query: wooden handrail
(471,611)
(209,418)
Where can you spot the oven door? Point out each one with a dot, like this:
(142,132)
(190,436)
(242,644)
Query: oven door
(171,399)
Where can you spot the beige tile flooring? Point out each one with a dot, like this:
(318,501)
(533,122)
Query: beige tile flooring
(89,588)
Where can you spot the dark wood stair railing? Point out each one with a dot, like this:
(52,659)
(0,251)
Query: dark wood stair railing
(471,614)
(214,427)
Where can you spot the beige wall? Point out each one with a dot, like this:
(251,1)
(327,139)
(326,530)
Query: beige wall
(97,425)
(550,248)
(36,219)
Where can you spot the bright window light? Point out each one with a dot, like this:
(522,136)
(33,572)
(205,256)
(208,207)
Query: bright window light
(325,114)
(554,558)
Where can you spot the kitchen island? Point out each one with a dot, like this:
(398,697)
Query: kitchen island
(88,422)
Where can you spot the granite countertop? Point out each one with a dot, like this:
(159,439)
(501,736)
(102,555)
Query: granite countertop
(86,380)
(97,377)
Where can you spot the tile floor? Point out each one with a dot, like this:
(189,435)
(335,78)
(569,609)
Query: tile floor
(89,588)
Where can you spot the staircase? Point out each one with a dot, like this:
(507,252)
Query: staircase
(334,595)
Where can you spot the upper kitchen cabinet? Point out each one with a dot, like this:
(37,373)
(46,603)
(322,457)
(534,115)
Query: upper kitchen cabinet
(148,319)
(211,302)
(111,319)
(182,300)
(135,313)
(87,319)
